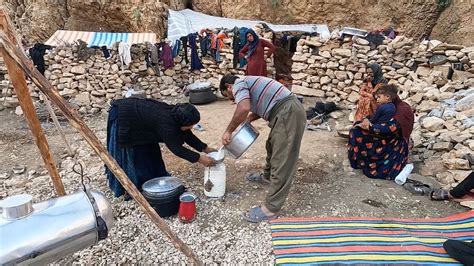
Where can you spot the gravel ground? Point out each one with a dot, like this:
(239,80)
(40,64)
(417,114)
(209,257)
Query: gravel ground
(324,186)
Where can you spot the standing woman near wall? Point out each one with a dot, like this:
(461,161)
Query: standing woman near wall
(254,53)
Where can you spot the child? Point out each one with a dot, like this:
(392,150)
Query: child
(385,108)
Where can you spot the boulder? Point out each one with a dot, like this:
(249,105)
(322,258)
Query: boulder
(325,54)
(342,52)
(299,76)
(427,106)
(423,71)
(325,80)
(340,75)
(307,91)
(78,70)
(442,146)
(433,123)
(353,97)
(82,99)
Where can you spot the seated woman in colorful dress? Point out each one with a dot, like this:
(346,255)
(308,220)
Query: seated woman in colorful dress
(381,149)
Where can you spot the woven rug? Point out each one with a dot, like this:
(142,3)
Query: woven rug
(366,241)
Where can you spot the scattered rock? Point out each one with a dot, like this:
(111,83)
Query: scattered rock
(433,123)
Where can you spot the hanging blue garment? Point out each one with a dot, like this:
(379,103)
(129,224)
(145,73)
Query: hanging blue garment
(195,62)
(205,45)
(176,48)
(243,42)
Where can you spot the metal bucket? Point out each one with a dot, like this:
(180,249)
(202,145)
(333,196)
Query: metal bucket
(241,140)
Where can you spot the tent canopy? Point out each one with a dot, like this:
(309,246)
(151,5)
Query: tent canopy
(181,23)
(99,38)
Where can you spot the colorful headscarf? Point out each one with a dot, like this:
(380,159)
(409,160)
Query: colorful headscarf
(252,45)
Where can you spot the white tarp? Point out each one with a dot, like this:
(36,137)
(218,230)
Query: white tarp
(181,23)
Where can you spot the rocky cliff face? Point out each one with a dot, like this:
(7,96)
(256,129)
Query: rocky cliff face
(414,18)
(37,20)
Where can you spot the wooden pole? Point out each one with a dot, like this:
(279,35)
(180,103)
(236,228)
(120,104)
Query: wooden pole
(22,92)
(74,119)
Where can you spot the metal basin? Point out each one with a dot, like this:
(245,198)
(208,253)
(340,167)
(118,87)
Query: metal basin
(241,140)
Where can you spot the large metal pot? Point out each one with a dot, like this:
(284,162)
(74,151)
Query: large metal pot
(163,194)
(241,140)
(47,231)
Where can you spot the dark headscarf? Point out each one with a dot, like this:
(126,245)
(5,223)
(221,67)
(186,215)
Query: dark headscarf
(378,74)
(252,45)
(186,114)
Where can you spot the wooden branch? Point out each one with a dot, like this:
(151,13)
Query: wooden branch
(76,122)
(22,92)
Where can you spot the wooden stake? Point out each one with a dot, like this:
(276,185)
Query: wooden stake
(74,119)
(22,92)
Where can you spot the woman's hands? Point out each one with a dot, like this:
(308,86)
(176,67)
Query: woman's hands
(365,124)
(209,150)
(206,160)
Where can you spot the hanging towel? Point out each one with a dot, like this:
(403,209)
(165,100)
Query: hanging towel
(167,56)
(235,47)
(184,41)
(176,48)
(105,51)
(195,62)
(124,53)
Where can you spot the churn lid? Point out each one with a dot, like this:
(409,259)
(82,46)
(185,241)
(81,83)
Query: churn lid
(161,184)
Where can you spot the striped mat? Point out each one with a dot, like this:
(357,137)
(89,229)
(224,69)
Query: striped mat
(366,241)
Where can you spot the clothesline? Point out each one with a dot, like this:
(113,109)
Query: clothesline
(181,23)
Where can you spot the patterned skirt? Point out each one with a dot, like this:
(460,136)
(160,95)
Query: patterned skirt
(379,152)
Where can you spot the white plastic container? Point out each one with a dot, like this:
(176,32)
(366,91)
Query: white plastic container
(403,175)
(214,180)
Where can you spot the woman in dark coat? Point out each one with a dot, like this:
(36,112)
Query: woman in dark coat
(135,128)
(381,150)
(254,53)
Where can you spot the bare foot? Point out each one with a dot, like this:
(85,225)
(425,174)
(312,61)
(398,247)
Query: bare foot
(267,212)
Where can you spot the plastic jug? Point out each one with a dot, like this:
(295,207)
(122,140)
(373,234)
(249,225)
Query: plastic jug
(214,180)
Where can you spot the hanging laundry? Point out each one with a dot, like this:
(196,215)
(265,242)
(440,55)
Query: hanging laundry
(153,50)
(105,51)
(184,41)
(37,55)
(293,44)
(176,48)
(235,46)
(205,43)
(217,43)
(124,53)
(195,62)
(166,56)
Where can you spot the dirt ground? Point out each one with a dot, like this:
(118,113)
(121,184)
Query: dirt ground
(324,186)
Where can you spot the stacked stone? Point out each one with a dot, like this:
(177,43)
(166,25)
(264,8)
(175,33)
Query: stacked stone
(444,131)
(92,83)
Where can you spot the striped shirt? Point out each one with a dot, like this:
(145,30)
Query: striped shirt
(263,93)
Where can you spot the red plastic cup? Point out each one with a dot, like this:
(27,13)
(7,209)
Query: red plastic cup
(187,207)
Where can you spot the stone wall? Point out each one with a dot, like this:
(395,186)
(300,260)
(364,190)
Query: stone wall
(92,83)
(443,98)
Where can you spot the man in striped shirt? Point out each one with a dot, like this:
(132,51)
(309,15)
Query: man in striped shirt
(261,97)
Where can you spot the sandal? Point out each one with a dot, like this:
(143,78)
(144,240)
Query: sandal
(256,215)
(257,178)
(418,188)
(439,194)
